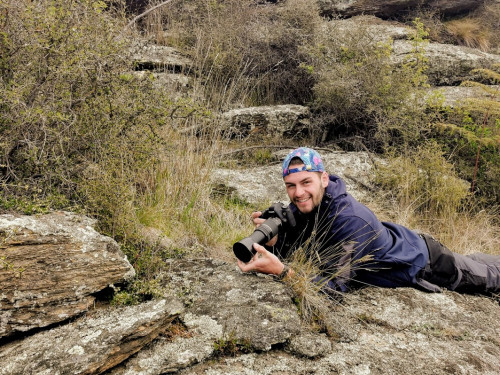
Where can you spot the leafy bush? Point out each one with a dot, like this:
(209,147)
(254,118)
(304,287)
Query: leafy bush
(359,91)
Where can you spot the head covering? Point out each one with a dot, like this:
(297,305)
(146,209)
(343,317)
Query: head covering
(310,158)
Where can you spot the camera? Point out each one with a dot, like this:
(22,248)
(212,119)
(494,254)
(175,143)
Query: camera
(278,216)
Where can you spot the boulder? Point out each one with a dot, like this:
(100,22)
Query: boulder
(90,345)
(253,309)
(287,120)
(393,8)
(447,64)
(223,307)
(455,95)
(50,267)
(170,355)
(159,58)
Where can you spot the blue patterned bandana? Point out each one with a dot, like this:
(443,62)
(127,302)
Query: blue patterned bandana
(310,158)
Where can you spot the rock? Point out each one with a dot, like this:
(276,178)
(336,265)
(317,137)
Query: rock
(287,120)
(398,329)
(51,266)
(448,64)
(254,310)
(154,238)
(178,84)
(264,185)
(310,345)
(90,345)
(167,356)
(393,8)
(369,29)
(455,95)
(159,58)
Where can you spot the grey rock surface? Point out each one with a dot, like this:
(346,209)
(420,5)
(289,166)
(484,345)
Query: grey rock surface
(455,95)
(391,8)
(264,185)
(159,58)
(448,64)
(281,120)
(252,309)
(51,266)
(167,356)
(89,345)
(399,331)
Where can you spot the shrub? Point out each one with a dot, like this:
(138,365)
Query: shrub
(470,134)
(424,181)
(359,91)
(248,54)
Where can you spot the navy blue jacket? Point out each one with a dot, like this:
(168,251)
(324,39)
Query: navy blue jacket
(350,244)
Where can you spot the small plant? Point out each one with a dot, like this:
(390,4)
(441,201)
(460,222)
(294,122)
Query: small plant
(229,345)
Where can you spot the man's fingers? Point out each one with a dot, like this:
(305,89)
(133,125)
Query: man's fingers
(260,249)
(245,267)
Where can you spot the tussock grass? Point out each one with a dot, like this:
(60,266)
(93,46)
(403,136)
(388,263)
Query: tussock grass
(470,32)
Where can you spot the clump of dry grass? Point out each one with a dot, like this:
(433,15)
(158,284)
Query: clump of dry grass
(470,32)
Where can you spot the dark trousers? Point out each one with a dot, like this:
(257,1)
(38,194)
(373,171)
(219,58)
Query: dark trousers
(476,273)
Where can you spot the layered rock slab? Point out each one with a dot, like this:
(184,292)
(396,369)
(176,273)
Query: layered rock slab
(90,345)
(51,266)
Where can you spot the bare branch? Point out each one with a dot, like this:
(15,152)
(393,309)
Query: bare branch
(146,13)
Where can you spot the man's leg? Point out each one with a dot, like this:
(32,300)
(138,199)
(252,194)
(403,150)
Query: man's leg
(479,273)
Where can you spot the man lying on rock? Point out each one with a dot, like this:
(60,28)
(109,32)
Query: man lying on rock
(341,234)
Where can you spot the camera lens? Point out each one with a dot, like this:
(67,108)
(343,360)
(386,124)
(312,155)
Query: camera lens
(244,250)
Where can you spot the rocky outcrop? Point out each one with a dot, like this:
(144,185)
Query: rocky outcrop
(159,58)
(288,120)
(168,69)
(453,96)
(391,8)
(50,267)
(215,319)
(447,64)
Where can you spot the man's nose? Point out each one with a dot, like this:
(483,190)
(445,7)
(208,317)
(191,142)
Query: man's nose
(299,191)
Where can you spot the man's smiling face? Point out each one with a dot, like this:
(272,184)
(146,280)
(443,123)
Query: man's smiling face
(305,189)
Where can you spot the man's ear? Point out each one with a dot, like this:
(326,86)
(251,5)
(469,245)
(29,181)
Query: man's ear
(324,179)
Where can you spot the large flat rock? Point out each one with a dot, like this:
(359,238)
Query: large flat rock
(392,332)
(51,265)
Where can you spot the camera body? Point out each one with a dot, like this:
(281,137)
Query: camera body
(277,217)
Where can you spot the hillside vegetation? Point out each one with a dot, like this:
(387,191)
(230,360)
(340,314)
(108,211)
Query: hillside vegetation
(80,131)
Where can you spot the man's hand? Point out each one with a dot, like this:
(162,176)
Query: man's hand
(257,220)
(263,261)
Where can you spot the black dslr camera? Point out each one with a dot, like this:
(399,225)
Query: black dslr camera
(278,216)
